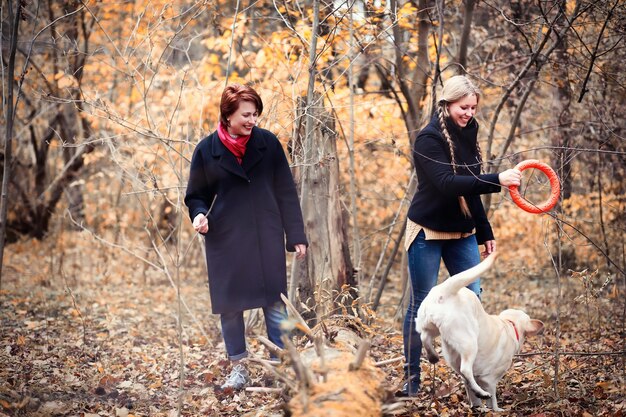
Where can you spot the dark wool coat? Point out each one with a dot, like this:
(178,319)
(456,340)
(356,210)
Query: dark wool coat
(255,215)
(435,204)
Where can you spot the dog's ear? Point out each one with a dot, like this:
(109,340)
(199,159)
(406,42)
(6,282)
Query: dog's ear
(533,327)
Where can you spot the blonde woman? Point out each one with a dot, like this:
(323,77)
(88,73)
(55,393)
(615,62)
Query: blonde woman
(446,219)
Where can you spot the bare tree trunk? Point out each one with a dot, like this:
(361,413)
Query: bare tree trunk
(301,278)
(74,190)
(561,139)
(8,133)
(36,188)
(327,267)
(356,240)
(413,87)
(562,135)
(465,35)
(77,126)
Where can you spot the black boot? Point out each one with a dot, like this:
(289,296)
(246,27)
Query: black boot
(410,388)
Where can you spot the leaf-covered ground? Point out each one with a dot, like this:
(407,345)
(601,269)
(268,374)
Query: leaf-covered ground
(88,330)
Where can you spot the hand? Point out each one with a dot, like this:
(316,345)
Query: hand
(510,177)
(201,223)
(490,247)
(300,251)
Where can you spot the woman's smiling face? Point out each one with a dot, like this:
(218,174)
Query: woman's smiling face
(243,119)
(462,110)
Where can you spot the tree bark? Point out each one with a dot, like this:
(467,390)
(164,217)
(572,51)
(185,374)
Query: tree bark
(8,133)
(465,35)
(413,84)
(75,125)
(343,380)
(37,186)
(327,267)
(562,137)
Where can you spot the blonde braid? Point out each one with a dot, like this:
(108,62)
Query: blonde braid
(442,122)
(479,157)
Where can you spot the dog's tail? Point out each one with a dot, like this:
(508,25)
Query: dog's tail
(453,284)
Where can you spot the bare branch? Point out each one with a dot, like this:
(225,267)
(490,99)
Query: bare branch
(360,355)
(595,52)
(269,345)
(300,369)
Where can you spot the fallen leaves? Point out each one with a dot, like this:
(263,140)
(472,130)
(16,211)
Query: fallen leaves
(124,359)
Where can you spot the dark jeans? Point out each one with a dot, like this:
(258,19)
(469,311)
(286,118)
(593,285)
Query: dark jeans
(234,330)
(424,258)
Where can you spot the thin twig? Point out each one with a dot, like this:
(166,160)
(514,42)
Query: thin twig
(319,349)
(275,350)
(614,353)
(264,390)
(152,264)
(388,361)
(75,304)
(298,366)
(271,369)
(232,41)
(301,323)
(595,53)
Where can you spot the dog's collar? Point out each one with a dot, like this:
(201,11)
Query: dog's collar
(514,328)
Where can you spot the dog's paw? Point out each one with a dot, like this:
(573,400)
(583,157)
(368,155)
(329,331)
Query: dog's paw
(480,409)
(482,395)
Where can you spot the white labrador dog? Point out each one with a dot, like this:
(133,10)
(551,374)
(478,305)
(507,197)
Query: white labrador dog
(479,346)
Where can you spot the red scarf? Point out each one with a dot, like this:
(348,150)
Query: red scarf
(236,146)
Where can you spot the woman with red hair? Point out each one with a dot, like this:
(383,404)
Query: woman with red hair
(242,197)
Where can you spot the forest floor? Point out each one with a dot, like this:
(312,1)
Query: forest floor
(89,331)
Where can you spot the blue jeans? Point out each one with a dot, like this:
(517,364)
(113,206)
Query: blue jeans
(424,259)
(234,330)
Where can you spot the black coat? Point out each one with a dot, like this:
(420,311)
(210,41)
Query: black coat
(435,204)
(256,214)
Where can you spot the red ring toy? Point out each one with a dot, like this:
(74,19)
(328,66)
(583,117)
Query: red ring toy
(555,188)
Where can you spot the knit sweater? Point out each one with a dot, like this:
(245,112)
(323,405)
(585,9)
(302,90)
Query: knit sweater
(413,229)
(435,204)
